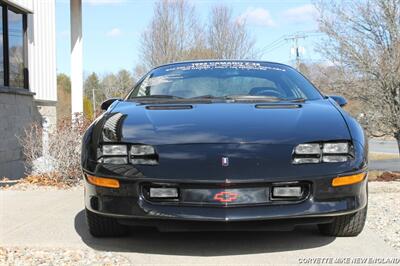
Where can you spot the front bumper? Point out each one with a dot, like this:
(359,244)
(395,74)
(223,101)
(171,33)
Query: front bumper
(323,201)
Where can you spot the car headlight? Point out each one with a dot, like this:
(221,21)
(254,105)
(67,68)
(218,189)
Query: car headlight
(334,158)
(115,160)
(118,154)
(140,150)
(306,160)
(110,150)
(336,148)
(114,154)
(328,152)
(143,154)
(308,148)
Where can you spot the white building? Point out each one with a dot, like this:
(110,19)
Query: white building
(28,78)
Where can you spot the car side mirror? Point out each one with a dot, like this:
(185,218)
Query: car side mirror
(341,101)
(104,105)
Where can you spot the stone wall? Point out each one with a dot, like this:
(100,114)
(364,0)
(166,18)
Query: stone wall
(17,111)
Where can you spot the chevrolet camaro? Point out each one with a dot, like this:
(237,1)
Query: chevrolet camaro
(225,145)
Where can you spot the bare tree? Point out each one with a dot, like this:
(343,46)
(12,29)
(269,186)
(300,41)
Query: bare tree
(62,164)
(329,79)
(109,86)
(172,33)
(176,34)
(228,38)
(117,85)
(364,42)
(139,71)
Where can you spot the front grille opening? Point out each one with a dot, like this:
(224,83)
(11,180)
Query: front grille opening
(292,191)
(146,192)
(234,195)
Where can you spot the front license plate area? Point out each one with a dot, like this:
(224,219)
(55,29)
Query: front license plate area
(225,196)
(218,195)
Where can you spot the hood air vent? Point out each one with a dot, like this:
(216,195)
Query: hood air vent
(169,107)
(278,106)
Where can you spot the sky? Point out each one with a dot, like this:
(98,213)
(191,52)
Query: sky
(112,30)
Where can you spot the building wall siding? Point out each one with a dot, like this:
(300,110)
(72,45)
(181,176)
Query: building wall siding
(42,50)
(18,107)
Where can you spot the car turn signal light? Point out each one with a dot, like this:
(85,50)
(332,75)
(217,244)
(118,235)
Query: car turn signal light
(348,180)
(103,182)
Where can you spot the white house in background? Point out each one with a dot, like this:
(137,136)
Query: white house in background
(28,78)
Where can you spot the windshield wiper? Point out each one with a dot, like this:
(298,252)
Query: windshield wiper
(207,96)
(252,98)
(263,98)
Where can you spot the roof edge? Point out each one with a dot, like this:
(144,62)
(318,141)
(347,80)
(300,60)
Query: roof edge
(19,6)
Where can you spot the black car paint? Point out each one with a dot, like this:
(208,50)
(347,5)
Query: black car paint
(259,143)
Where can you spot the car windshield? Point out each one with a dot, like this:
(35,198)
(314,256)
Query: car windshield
(225,79)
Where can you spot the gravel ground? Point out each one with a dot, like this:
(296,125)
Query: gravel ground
(384,211)
(23,186)
(59,257)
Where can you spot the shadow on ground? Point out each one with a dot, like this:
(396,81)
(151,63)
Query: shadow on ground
(150,241)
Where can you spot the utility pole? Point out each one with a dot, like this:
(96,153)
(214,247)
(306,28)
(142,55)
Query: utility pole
(295,39)
(297,50)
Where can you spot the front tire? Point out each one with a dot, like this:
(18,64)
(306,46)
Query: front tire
(102,226)
(346,225)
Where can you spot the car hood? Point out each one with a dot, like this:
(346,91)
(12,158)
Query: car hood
(222,123)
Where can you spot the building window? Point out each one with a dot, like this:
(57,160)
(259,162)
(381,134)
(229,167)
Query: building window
(13,71)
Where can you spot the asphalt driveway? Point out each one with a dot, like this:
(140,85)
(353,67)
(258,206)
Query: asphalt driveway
(385,165)
(56,219)
(386,147)
(383,146)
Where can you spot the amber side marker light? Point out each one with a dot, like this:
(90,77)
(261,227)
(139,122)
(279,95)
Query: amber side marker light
(348,180)
(103,182)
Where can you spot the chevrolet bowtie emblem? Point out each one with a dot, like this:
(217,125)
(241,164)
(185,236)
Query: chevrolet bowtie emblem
(226,196)
(225,161)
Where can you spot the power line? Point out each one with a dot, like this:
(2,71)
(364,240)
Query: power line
(294,38)
(273,45)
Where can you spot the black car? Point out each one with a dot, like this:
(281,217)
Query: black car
(225,145)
